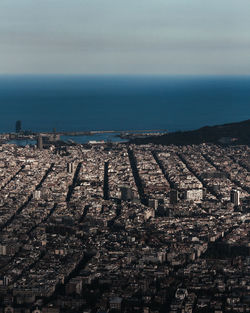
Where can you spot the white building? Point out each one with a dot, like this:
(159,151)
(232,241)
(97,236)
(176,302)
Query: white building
(37,194)
(194,194)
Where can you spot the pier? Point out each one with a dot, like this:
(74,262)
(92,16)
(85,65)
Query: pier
(94,132)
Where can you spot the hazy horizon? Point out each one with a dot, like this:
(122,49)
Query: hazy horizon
(81,37)
(129,75)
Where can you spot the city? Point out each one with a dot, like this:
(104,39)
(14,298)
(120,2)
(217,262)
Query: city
(124,228)
(124,156)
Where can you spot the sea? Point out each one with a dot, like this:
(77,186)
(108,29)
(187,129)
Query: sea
(120,103)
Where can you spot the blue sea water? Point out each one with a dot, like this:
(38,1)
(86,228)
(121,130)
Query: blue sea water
(79,103)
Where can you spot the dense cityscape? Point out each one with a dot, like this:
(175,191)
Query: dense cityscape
(124,156)
(124,228)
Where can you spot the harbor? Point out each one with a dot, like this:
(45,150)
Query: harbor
(23,138)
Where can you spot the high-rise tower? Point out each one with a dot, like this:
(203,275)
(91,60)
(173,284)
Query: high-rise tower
(40,142)
(18,126)
(235,197)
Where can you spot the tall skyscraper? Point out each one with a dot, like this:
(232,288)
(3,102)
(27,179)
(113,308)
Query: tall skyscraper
(40,142)
(235,197)
(18,126)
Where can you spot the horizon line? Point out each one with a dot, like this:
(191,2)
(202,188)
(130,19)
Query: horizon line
(125,74)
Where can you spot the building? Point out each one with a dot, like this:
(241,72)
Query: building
(70,167)
(149,213)
(126,193)
(40,142)
(37,195)
(235,197)
(5,281)
(74,286)
(9,248)
(153,203)
(115,303)
(194,194)
(18,126)
(3,249)
(174,196)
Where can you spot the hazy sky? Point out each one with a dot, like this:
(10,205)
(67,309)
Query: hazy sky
(132,36)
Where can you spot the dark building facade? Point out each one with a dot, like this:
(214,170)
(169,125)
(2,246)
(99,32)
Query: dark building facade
(18,126)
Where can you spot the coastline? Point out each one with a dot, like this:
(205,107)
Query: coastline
(231,133)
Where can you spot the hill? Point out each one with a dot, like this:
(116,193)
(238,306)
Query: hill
(233,133)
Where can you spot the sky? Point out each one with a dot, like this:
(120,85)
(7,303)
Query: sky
(166,37)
